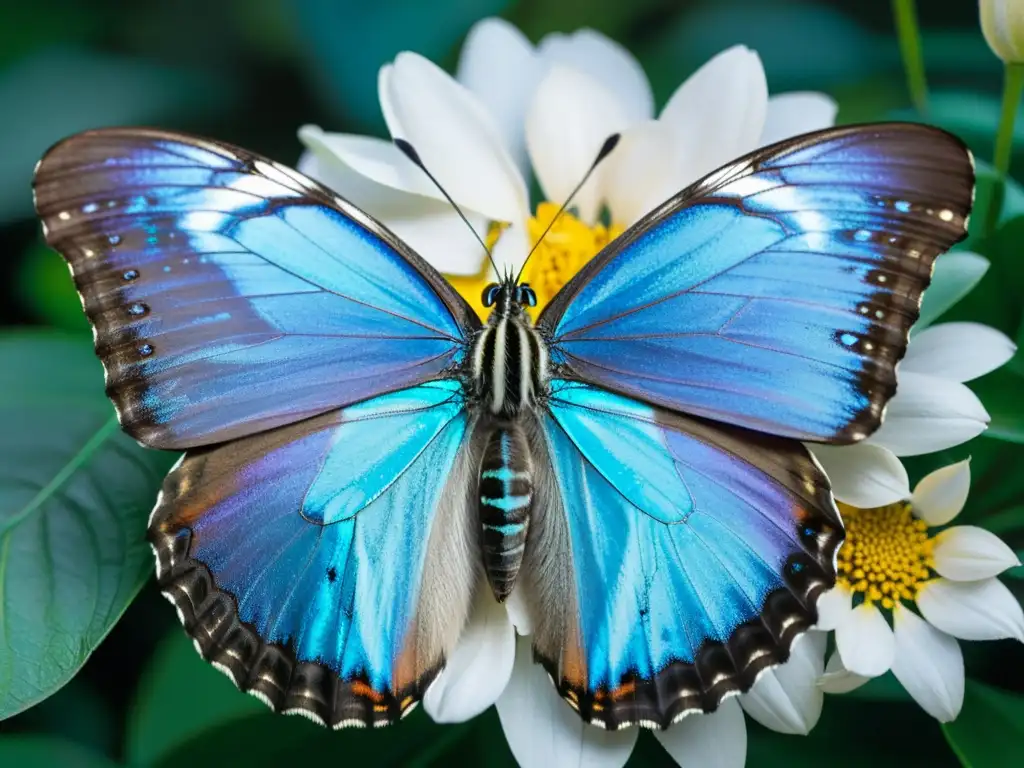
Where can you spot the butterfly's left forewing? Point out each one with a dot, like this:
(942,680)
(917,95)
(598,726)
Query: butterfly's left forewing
(328,566)
(230,295)
(670,559)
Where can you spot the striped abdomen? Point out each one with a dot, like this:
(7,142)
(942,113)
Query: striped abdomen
(506,493)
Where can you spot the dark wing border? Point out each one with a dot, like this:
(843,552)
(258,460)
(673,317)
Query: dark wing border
(751,162)
(246,159)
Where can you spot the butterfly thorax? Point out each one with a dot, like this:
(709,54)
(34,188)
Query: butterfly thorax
(509,375)
(510,358)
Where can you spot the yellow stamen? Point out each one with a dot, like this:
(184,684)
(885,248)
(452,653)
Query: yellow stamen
(887,554)
(566,248)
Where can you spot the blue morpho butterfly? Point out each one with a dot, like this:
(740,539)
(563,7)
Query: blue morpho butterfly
(361,451)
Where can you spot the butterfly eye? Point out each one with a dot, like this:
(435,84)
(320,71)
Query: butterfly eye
(527,296)
(490,295)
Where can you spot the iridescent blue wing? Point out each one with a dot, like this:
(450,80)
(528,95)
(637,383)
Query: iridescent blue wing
(327,567)
(777,293)
(670,559)
(229,294)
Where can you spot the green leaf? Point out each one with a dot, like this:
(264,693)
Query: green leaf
(996,300)
(94,724)
(853,733)
(987,181)
(179,697)
(46,289)
(1002,393)
(269,740)
(25,751)
(1008,525)
(186,711)
(74,496)
(989,733)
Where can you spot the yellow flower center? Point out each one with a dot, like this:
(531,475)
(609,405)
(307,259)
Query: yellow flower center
(565,249)
(887,554)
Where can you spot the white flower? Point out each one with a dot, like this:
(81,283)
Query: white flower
(932,409)
(517,111)
(554,106)
(896,568)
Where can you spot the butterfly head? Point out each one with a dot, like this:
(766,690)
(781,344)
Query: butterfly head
(509,298)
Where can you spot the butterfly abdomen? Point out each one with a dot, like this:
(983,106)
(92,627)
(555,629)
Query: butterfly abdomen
(506,494)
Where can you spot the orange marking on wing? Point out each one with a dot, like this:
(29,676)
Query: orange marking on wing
(623,691)
(359,688)
(407,669)
(574,662)
(801,514)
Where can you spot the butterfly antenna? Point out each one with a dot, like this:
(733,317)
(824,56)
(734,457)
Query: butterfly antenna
(606,149)
(408,150)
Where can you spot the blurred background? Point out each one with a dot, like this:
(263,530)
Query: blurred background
(251,72)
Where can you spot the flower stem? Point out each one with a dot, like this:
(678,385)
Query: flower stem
(909,34)
(1013,86)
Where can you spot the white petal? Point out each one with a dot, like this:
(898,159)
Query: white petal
(375,159)
(642,172)
(478,669)
(519,612)
(499,65)
(940,495)
(443,239)
(838,679)
(833,607)
(608,63)
(511,249)
(969,553)
(542,730)
(954,276)
(929,414)
(719,113)
(863,475)
(791,114)
(929,664)
(569,120)
(454,136)
(429,226)
(972,610)
(787,698)
(865,641)
(957,351)
(718,740)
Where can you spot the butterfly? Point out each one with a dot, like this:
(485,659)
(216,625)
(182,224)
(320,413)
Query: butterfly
(362,454)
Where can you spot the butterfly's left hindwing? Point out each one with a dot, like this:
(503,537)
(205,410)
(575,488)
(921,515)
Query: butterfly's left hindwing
(328,567)
(670,559)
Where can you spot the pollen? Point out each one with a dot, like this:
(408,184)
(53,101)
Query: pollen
(565,249)
(887,554)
